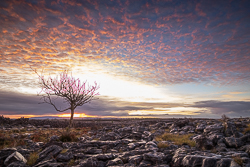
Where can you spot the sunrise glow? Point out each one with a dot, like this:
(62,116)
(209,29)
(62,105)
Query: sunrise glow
(150,58)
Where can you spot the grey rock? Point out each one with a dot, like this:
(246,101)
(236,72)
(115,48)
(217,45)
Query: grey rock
(4,153)
(145,164)
(46,126)
(49,152)
(136,159)
(49,163)
(90,162)
(65,157)
(105,157)
(203,142)
(232,142)
(155,158)
(225,162)
(209,162)
(192,160)
(16,156)
(216,128)
(17,164)
(93,150)
(116,161)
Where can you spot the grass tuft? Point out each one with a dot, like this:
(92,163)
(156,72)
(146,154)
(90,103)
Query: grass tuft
(162,145)
(176,138)
(238,160)
(32,159)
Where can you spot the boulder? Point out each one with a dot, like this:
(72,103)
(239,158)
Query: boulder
(136,159)
(155,158)
(49,152)
(90,162)
(224,162)
(65,157)
(216,128)
(209,162)
(49,163)
(232,142)
(14,157)
(145,164)
(192,161)
(4,153)
(17,164)
(202,142)
(116,161)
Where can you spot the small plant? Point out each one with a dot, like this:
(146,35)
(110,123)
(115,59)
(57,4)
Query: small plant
(64,151)
(176,138)
(71,162)
(162,145)
(68,136)
(238,160)
(32,159)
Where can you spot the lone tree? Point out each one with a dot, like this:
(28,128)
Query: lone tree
(71,90)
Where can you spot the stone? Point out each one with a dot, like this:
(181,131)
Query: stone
(90,162)
(232,142)
(209,162)
(93,150)
(49,152)
(116,161)
(17,164)
(202,142)
(65,157)
(4,153)
(192,160)
(155,158)
(49,163)
(16,156)
(224,162)
(145,164)
(46,126)
(136,159)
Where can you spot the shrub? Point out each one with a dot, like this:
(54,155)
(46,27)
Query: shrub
(68,136)
(176,138)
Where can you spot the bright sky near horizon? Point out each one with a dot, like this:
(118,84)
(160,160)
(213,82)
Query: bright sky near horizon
(151,58)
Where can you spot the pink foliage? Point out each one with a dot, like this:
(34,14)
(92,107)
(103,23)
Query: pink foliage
(75,92)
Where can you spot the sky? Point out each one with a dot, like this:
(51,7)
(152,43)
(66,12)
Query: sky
(151,58)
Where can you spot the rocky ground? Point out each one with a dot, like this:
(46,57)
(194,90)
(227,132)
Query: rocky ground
(142,142)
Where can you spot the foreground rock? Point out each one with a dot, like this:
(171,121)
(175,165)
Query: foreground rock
(135,144)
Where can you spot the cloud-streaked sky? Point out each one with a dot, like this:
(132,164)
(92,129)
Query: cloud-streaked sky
(150,57)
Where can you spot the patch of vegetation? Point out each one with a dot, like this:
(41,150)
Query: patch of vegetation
(247,130)
(238,160)
(64,151)
(71,162)
(32,159)
(162,145)
(68,136)
(176,138)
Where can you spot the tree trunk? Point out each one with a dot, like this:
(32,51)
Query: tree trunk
(71,118)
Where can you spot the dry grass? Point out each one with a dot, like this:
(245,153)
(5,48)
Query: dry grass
(162,145)
(32,159)
(247,130)
(238,160)
(176,138)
